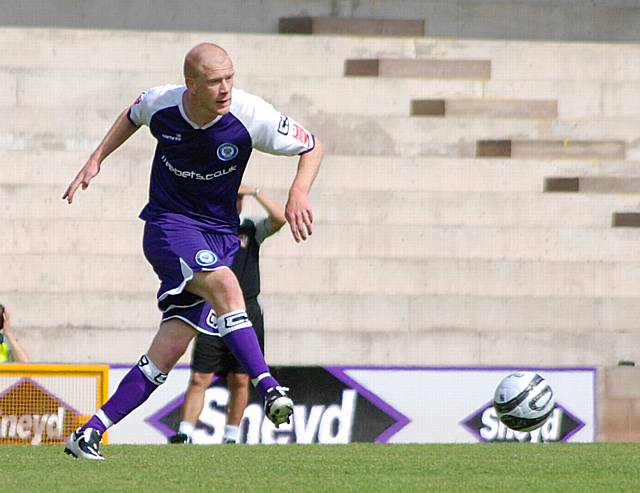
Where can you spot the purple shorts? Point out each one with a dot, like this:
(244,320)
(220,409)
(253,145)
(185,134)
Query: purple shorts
(176,251)
(201,317)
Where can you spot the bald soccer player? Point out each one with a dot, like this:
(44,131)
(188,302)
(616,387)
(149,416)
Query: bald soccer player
(205,132)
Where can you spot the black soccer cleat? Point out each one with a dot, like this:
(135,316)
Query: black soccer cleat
(278,406)
(84,444)
(180,438)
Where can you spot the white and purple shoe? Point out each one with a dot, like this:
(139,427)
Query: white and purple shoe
(84,444)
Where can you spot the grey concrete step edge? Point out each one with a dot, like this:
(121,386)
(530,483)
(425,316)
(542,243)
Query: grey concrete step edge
(485,108)
(418,68)
(344,26)
(592,184)
(552,149)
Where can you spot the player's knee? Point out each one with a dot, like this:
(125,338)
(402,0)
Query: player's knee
(220,286)
(200,381)
(151,371)
(238,381)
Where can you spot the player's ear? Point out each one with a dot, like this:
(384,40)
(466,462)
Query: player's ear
(190,83)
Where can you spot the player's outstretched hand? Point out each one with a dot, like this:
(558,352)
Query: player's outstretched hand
(84,176)
(299,215)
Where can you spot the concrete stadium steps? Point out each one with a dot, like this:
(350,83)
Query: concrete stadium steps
(418,68)
(577,98)
(274,55)
(451,347)
(319,347)
(128,167)
(341,134)
(321,276)
(335,241)
(376,313)
(511,60)
(453,276)
(114,89)
(470,258)
(485,108)
(131,167)
(355,26)
(431,330)
(382,173)
(336,207)
(88,345)
(58,167)
(553,149)
(50,128)
(540,60)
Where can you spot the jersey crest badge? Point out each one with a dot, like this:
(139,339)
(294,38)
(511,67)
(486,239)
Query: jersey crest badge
(227,151)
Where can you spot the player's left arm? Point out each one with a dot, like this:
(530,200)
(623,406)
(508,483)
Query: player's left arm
(278,134)
(298,210)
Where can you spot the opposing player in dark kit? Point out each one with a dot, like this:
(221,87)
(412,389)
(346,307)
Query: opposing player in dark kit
(205,132)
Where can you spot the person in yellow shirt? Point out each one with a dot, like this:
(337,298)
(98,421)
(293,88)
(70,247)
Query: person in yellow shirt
(10,349)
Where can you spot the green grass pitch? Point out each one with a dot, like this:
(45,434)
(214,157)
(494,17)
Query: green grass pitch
(473,468)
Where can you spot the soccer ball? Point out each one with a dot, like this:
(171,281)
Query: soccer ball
(523,401)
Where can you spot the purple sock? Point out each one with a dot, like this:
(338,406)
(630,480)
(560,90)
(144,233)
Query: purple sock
(134,389)
(243,343)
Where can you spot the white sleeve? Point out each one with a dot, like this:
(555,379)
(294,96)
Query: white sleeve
(149,102)
(270,131)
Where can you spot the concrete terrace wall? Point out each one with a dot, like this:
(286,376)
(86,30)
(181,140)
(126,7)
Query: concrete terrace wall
(423,253)
(593,20)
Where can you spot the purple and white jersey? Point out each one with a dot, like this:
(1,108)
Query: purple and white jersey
(197,171)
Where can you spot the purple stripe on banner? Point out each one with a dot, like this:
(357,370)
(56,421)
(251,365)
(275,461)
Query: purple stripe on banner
(155,419)
(471,368)
(401,419)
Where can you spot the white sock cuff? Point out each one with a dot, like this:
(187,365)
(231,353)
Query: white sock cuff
(104,418)
(262,376)
(233,321)
(151,371)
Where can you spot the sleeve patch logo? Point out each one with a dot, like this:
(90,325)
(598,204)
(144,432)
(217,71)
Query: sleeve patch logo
(283,126)
(300,134)
(206,258)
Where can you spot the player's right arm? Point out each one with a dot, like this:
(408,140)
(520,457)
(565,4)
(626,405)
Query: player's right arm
(119,132)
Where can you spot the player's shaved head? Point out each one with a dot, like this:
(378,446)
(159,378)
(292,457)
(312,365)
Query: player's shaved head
(204,56)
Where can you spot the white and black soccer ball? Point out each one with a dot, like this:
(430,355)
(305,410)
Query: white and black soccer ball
(523,401)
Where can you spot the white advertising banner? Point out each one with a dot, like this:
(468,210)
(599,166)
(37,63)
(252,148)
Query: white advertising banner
(371,404)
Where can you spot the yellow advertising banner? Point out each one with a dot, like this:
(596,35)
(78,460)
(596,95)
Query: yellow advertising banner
(45,403)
